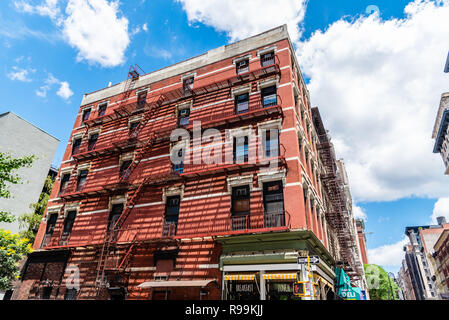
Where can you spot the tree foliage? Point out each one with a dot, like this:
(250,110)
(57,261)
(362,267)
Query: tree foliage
(12,247)
(381,284)
(12,250)
(30,221)
(8,166)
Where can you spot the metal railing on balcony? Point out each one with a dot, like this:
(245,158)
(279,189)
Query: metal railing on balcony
(169,228)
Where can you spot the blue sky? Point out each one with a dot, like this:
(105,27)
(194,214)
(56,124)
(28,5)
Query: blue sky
(48,61)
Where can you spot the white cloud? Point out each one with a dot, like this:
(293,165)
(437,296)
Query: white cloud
(242,19)
(64,89)
(378,84)
(159,53)
(359,213)
(389,256)
(20,74)
(145,27)
(441,209)
(95,28)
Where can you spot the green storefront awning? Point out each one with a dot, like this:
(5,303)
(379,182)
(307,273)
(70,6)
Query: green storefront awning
(344,288)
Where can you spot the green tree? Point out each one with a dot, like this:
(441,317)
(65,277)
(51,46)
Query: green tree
(8,166)
(12,247)
(379,282)
(30,221)
(12,250)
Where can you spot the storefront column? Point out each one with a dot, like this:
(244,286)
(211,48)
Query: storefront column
(262,285)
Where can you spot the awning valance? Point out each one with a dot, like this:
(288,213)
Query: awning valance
(174,283)
(239,277)
(280,276)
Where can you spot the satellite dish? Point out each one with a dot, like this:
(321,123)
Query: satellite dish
(446,68)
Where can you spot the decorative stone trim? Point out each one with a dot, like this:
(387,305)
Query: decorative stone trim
(271,176)
(241,90)
(52,210)
(117,200)
(266,50)
(240,181)
(84,166)
(245,57)
(172,191)
(268,83)
(71,207)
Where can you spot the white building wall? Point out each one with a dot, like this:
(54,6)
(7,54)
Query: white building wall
(20,138)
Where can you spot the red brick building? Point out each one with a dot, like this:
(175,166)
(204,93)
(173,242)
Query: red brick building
(127,222)
(360,224)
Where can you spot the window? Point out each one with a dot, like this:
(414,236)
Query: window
(187,85)
(86,114)
(273,197)
(183,117)
(267,59)
(64,182)
(141,99)
(172,208)
(242,103)
(133,126)
(179,168)
(242,66)
(51,224)
(241,149)
(70,294)
(115,214)
(46,293)
(102,109)
(165,261)
(171,216)
(69,221)
(76,145)
(269,96)
(82,176)
(240,201)
(124,169)
(92,141)
(271,143)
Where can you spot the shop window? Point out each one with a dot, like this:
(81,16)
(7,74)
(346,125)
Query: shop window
(82,176)
(114,215)
(76,146)
(92,141)
(267,59)
(242,66)
(241,149)
(242,103)
(269,96)
(102,109)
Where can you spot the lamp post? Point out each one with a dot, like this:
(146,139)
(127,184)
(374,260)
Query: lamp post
(390,274)
(446,67)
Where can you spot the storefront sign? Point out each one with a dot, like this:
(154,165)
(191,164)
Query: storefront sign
(244,287)
(282,287)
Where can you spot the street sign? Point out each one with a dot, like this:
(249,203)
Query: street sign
(313,260)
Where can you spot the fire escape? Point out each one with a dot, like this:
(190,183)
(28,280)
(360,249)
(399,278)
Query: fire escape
(209,93)
(339,215)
